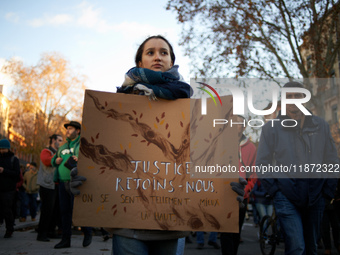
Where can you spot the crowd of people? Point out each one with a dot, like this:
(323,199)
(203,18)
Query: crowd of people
(307,208)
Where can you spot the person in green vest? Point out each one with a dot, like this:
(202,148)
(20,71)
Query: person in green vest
(65,159)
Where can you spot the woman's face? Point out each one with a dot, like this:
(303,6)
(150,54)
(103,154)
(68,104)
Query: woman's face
(156,56)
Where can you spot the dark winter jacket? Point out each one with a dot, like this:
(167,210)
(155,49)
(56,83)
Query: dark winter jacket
(11,174)
(293,146)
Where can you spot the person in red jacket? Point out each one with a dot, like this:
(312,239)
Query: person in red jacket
(247,157)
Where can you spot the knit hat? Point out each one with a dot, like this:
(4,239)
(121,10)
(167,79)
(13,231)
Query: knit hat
(4,144)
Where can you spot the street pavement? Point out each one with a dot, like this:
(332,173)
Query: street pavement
(24,242)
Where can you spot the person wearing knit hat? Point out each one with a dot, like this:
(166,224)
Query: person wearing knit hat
(9,175)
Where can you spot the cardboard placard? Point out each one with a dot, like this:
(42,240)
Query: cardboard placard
(135,154)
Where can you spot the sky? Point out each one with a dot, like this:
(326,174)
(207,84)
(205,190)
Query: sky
(98,38)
